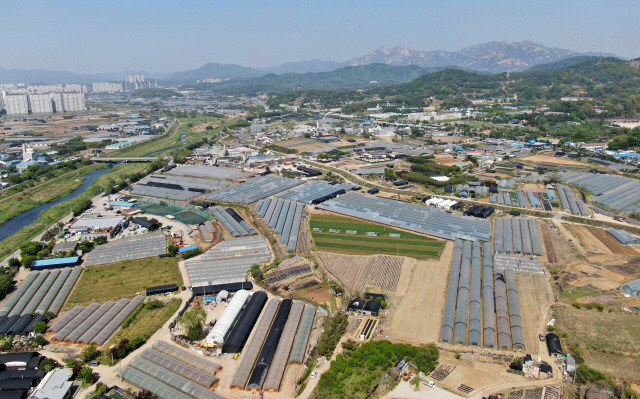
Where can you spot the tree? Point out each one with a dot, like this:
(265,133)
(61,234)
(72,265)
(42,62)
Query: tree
(40,340)
(144,394)
(101,389)
(100,240)
(40,327)
(89,353)
(13,262)
(193,322)
(172,250)
(256,273)
(48,364)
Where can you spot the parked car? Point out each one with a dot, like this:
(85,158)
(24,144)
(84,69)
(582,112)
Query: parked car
(314,373)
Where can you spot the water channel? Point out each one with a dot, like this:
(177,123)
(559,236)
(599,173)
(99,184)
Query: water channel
(26,218)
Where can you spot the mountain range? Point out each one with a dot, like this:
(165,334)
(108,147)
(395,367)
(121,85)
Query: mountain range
(492,57)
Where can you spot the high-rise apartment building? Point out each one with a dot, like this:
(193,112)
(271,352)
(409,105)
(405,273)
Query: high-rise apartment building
(106,87)
(41,103)
(16,104)
(73,102)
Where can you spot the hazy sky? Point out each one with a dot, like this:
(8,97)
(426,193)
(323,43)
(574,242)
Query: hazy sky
(162,36)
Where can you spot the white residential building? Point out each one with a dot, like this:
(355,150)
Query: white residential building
(106,87)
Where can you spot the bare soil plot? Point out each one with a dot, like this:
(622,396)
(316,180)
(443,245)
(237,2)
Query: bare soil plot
(446,159)
(305,145)
(445,139)
(548,159)
(535,295)
(356,273)
(476,375)
(593,275)
(419,305)
(598,240)
(549,249)
(610,342)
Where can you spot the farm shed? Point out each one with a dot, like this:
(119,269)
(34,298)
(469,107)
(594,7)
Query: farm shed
(372,308)
(230,287)
(220,330)
(187,357)
(245,368)
(240,333)
(276,369)
(256,380)
(161,289)
(253,189)
(298,350)
(42,292)
(180,368)
(413,217)
(56,262)
(553,345)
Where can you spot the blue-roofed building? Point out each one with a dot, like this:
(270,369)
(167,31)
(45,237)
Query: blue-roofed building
(122,204)
(54,263)
(187,248)
(552,195)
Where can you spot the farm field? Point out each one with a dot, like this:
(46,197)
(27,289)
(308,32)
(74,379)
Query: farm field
(599,241)
(145,323)
(590,335)
(553,160)
(356,273)
(333,237)
(123,280)
(419,304)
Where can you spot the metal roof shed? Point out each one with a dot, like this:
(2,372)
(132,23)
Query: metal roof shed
(151,384)
(182,369)
(57,262)
(187,358)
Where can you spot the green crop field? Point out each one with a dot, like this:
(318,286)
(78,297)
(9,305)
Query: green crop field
(123,280)
(408,244)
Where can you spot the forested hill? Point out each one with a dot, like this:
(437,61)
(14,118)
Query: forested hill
(351,77)
(601,78)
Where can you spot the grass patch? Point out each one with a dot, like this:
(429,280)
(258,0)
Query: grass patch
(409,244)
(123,280)
(608,342)
(572,293)
(145,324)
(166,141)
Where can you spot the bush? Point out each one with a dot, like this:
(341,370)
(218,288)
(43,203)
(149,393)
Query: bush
(89,353)
(191,254)
(40,340)
(356,373)
(101,389)
(154,304)
(48,364)
(335,328)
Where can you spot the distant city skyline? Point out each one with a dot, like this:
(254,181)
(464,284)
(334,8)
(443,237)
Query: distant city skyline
(163,36)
